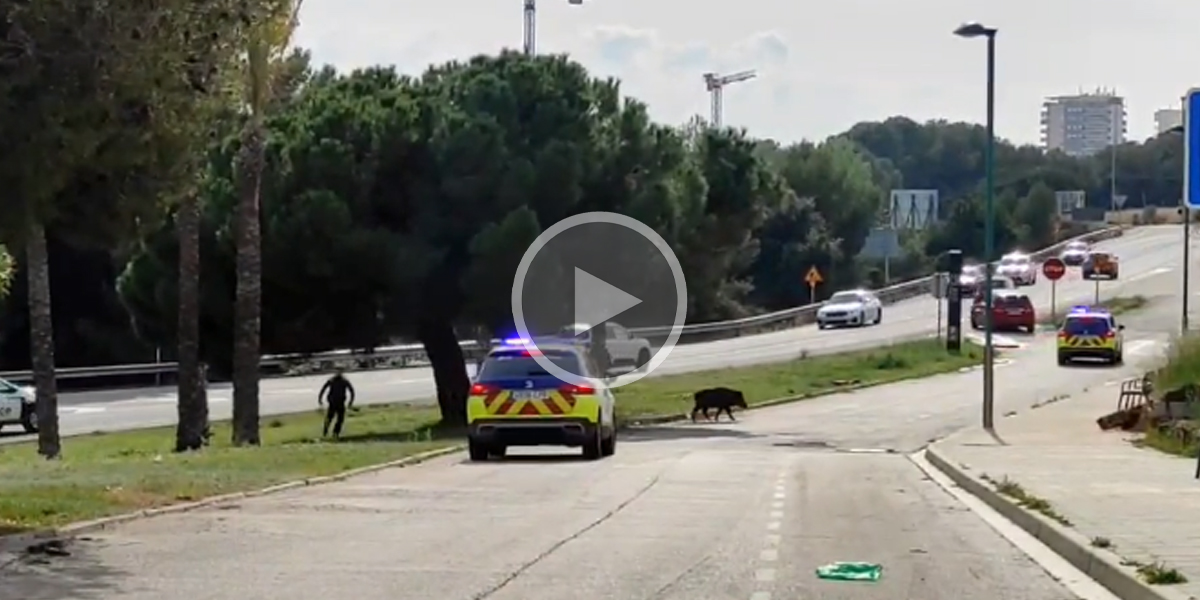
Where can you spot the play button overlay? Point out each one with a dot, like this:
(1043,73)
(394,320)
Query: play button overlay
(601,269)
(596,301)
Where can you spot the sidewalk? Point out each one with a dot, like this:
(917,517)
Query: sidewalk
(1144,502)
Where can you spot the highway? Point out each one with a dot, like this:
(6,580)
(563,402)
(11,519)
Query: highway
(1147,252)
(741,511)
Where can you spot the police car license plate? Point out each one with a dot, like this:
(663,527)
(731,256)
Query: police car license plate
(525,395)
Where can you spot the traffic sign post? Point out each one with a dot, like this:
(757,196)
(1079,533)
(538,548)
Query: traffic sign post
(1191,189)
(1054,269)
(813,279)
(940,288)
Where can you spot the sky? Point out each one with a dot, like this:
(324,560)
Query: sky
(822,65)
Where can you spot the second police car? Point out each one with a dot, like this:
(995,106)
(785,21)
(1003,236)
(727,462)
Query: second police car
(514,401)
(1090,333)
(17,406)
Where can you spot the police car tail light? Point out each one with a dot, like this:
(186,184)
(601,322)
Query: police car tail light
(482,389)
(1110,334)
(1062,334)
(576,389)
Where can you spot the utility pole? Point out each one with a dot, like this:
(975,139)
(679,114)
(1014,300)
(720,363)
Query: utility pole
(716,84)
(531,24)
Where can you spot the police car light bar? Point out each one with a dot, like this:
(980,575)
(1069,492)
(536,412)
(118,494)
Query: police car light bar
(516,342)
(1075,310)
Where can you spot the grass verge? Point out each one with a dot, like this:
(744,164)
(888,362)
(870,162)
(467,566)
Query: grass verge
(105,474)
(1117,306)
(1026,500)
(1156,573)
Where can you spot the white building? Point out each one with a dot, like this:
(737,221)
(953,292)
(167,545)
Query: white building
(1083,124)
(1167,118)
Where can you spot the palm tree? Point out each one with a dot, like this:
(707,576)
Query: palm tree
(269,35)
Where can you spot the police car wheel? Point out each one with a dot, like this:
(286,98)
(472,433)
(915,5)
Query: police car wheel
(608,445)
(498,451)
(477,451)
(592,447)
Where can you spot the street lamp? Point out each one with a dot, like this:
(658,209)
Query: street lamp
(974,30)
(531,24)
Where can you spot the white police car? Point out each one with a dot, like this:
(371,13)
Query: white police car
(16,406)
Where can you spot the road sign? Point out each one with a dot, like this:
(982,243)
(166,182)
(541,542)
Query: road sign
(1191,149)
(813,277)
(1054,269)
(882,243)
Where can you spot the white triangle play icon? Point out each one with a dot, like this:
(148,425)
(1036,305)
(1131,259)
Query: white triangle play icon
(597,301)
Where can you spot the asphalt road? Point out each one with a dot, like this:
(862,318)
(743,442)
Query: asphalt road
(1145,253)
(716,511)
(730,511)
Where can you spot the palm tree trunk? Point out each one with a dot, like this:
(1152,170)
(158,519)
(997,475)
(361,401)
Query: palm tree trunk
(192,404)
(41,341)
(247,311)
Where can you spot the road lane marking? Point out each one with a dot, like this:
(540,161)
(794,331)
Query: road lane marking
(773,539)
(773,526)
(760,596)
(769,555)
(765,575)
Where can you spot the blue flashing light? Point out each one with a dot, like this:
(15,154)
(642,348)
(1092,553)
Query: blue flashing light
(1079,310)
(516,342)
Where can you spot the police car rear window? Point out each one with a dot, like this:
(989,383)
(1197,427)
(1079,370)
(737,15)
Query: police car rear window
(1086,326)
(516,364)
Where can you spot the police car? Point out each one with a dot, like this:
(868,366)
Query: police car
(16,406)
(1090,333)
(514,401)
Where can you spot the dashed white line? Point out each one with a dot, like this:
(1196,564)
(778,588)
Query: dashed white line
(770,552)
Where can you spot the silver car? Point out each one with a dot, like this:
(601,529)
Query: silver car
(1018,267)
(1074,254)
(850,308)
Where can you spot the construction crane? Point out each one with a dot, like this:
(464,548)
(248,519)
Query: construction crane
(531,24)
(716,84)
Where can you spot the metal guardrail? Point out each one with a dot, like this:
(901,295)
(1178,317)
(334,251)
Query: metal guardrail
(695,333)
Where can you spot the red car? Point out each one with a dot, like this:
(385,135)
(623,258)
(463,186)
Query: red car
(1011,310)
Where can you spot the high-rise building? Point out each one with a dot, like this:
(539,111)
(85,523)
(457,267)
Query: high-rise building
(1083,124)
(1167,119)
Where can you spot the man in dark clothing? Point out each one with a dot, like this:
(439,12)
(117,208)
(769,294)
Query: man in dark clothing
(334,391)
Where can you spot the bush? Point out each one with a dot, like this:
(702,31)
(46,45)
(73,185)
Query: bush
(1182,369)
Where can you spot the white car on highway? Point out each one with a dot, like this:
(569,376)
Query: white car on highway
(1075,253)
(853,307)
(16,406)
(624,349)
(1018,267)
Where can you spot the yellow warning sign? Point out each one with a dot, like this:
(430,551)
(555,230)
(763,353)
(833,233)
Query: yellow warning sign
(813,277)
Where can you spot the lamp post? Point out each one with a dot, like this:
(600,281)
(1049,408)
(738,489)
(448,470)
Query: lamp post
(531,24)
(974,30)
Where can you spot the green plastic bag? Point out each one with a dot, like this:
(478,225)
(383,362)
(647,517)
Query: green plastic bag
(851,571)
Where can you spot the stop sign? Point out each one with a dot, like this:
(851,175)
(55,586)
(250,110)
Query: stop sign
(1054,269)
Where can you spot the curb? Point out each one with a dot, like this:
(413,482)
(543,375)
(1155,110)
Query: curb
(1101,565)
(93,525)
